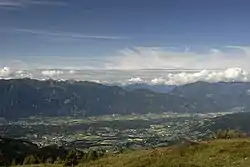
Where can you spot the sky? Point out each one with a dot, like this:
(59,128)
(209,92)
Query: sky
(124,35)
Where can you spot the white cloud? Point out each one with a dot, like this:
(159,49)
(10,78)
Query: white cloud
(157,81)
(143,58)
(155,77)
(71,71)
(96,81)
(5,72)
(48,2)
(51,73)
(228,75)
(24,3)
(10,3)
(160,58)
(184,66)
(9,73)
(135,80)
(67,34)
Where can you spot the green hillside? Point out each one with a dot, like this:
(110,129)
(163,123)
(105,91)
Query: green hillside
(223,153)
(217,153)
(238,121)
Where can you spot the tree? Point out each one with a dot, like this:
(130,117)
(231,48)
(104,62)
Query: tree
(58,161)
(92,155)
(3,131)
(49,160)
(73,158)
(29,160)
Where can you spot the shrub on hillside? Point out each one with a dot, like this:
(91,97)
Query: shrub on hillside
(228,134)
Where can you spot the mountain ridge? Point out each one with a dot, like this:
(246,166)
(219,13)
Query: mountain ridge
(28,97)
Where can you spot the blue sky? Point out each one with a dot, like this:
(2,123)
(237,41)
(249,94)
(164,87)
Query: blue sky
(70,33)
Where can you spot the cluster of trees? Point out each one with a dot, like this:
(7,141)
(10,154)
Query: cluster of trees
(74,157)
(19,152)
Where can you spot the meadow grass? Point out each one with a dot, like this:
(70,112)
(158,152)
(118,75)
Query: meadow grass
(216,153)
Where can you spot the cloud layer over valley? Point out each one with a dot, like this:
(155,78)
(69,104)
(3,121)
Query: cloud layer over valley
(153,77)
(150,65)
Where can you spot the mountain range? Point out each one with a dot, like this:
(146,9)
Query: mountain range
(27,97)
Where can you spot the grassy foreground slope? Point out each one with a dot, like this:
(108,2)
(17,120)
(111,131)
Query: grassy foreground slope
(217,153)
